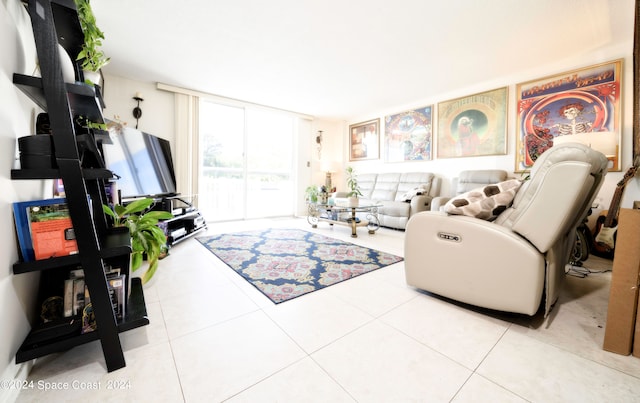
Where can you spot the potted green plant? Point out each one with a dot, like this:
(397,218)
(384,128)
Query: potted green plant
(85,123)
(352,184)
(92,57)
(311,194)
(147,239)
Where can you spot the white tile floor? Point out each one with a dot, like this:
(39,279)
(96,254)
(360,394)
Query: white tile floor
(213,338)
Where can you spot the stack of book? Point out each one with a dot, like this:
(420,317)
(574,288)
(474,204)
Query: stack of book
(77,299)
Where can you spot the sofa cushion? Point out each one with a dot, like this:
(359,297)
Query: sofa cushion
(367,183)
(410,181)
(419,190)
(386,186)
(473,179)
(486,202)
(394,208)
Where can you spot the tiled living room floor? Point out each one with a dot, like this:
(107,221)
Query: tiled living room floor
(213,338)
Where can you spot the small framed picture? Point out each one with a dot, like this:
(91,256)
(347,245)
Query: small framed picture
(364,140)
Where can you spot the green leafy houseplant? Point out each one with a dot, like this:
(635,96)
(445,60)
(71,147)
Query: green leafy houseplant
(311,194)
(92,57)
(352,183)
(84,122)
(146,237)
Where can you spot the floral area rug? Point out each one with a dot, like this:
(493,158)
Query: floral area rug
(286,263)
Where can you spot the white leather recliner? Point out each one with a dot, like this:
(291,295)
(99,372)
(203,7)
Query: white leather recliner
(509,263)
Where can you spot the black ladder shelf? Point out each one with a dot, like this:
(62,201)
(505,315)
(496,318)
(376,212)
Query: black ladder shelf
(54,22)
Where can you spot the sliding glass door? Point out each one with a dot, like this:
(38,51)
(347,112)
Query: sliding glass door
(246,163)
(269,164)
(221,175)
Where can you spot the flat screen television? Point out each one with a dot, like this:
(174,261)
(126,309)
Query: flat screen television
(142,162)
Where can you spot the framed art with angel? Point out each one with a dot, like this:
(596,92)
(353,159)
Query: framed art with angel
(474,125)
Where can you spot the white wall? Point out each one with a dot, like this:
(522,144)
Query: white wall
(331,152)
(448,168)
(158,117)
(17,117)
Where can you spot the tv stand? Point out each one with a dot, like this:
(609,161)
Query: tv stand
(186,222)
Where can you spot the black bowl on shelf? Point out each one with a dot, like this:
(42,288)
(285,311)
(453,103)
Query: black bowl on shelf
(36,152)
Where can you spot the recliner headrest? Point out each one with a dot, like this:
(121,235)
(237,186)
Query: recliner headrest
(572,152)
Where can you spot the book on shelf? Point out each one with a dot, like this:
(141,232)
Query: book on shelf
(68,298)
(77,298)
(88,319)
(76,273)
(111,191)
(117,294)
(44,229)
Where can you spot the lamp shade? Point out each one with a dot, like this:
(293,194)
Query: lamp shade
(329,166)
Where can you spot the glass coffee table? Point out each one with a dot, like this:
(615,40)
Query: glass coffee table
(345,215)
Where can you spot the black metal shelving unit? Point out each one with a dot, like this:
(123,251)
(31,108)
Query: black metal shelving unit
(54,22)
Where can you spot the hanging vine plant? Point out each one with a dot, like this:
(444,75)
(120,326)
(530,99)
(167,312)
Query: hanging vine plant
(91,56)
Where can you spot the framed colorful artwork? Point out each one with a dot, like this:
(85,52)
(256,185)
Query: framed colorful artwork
(581,105)
(364,140)
(474,125)
(408,135)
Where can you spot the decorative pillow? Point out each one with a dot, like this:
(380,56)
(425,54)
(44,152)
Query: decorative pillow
(485,203)
(420,190)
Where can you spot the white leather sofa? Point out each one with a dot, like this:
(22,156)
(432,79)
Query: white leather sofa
(510,263)
(401,195)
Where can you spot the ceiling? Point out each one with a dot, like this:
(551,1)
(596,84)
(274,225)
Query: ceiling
(336,59)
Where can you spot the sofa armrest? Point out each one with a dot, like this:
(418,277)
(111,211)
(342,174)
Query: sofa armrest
(438,202)
(420,203)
